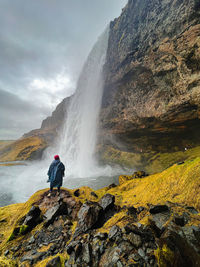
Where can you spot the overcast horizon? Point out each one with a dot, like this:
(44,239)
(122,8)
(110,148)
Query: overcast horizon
(43,46)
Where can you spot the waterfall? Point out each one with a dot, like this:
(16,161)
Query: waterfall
(77,143)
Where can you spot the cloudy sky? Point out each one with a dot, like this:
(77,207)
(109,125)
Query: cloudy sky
(43,45)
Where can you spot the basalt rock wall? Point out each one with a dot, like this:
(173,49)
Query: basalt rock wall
(152,77)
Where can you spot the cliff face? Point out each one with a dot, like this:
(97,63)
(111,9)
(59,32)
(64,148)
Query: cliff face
(152,76)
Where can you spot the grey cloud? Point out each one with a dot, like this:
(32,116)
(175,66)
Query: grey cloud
(18,116)
(38,38)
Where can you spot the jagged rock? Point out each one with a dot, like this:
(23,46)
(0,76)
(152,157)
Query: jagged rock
(32,218)
(34,257)
(132,211)
(158,221)
(158,209)
(114,232)
(55,262)
(55,211)
(107,202)
(71,246)
(180,220)
(88,216)
(77,193)
(135,240)
(141,252)
(101,236)
(192,210)
(86,253)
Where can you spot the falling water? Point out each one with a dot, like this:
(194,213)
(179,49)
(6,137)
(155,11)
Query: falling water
(76,145)
(78,140)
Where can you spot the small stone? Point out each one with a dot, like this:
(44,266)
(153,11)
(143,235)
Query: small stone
(141,252)
(115,257)
(31,240)
(132,211)
(135,240)
(6,252)
(114,232)
(77,193)
(179,220)
(119,264)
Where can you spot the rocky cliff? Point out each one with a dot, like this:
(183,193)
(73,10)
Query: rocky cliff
(152,77)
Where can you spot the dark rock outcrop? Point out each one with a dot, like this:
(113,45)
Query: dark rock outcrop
(152,77)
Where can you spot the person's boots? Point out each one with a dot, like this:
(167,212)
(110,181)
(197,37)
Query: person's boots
(50,193)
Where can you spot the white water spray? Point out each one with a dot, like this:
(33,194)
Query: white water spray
(77,143)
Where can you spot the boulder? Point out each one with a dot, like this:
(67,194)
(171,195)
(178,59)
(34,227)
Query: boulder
(114,232)
(107,202)
(88,216)
(32,217)
(134,239)
(53,212)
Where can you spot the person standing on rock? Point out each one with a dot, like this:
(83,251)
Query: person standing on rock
(56,173)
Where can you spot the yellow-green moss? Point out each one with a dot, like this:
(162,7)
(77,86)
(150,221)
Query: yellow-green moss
(5,262)
(21,149)
(151,162)
(23,229)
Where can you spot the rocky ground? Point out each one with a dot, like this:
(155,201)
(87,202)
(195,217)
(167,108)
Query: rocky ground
(112,226)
